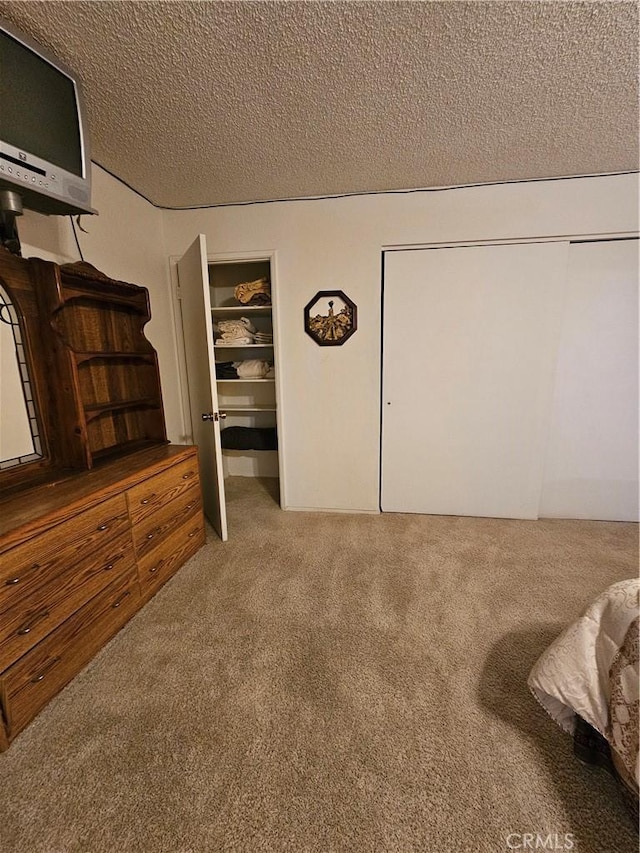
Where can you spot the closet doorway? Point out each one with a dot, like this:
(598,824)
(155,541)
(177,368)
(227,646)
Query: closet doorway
(228,330)
(470,337)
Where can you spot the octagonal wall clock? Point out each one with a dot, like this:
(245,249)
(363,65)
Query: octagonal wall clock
(330,318)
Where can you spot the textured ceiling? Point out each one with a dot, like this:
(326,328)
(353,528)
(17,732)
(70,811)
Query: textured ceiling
(198,103)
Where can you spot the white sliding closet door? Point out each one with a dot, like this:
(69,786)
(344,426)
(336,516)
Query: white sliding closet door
(592,458)
(469,350)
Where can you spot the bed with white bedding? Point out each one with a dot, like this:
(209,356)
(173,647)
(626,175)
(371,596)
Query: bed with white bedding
(590,673)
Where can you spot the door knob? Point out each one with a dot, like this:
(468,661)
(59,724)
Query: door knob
(213,416)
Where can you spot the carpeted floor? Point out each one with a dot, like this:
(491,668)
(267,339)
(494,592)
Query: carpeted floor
(320,683)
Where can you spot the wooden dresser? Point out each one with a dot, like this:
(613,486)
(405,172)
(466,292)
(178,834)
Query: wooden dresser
(78,557)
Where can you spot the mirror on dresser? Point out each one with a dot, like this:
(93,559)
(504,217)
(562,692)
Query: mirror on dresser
(26,422)
(19,429)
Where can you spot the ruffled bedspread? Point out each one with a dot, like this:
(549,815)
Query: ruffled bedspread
(591,670)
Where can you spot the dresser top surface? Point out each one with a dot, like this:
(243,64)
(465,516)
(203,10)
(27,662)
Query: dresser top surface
(26,513)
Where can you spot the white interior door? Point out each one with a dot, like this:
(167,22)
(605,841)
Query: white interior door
(197,327)
(469,351)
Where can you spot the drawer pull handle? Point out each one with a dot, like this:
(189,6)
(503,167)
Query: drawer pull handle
(43,672)
(103,527)
(28,627)
(188,475)
(14,581)
(190,506)
(155,568)
(150,535)
(110,565)
(120,600)
(145,501)
(192,534)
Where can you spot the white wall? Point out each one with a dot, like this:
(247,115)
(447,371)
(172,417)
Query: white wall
(125,241)
(331,395)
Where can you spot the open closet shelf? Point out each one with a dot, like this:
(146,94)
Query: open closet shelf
(245,396)
(240,310)
(238,381)
(240,408)
(242,346)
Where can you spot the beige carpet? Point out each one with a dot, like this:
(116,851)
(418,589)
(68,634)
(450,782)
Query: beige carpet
(329,683)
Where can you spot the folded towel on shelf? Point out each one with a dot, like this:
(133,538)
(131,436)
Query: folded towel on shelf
(256,292)
(230,330)
(243,323)
(252,368)
(233,342)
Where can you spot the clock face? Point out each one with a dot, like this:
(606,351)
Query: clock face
(330,318)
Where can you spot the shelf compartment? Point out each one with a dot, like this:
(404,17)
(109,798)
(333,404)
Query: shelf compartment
(116,379)
(225,276)
(81,356)
(136,302)
(239,395)
(95,410)
(111,430)
(86,325)
(250,463)
(223,347)
(256,418)
(248,409)
(239,310)
(81,280)
(124,449)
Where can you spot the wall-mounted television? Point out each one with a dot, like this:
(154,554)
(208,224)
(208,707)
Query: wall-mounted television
(44,147)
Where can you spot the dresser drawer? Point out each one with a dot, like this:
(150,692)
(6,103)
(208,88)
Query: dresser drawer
(31,682)
(29,614)
(157,491)
(37,561)
(157,527)
(158,566)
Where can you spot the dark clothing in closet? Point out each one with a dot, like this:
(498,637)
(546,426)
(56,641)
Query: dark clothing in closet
(249,438)
(226,370)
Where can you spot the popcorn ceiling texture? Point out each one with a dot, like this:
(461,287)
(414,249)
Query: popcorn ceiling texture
(198,103)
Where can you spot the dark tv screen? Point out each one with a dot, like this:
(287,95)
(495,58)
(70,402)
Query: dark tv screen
(38,109)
